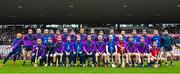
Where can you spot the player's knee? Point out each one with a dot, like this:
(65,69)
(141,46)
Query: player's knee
(54,56)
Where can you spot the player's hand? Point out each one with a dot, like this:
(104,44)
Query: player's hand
(40,57)
(173,46)
(67,53)
(74,52)
(58,53)
(162,48)
(87,53)
(144,53)
(80,52)
(51,55)
(108,53)
(90,53)
(114,53)
(33,53)
(36,48)
(100,53)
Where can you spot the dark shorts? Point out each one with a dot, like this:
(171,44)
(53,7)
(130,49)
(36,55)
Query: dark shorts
(169,48)
(28,48)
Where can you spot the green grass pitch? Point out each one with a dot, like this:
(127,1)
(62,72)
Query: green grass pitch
(18,68)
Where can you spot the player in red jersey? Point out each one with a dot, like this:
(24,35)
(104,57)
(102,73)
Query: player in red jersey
(121,52)
(155,55)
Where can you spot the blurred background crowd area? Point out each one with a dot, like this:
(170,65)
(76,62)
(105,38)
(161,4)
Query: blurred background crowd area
(8,32)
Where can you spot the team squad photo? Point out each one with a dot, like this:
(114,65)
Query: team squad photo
(89,36)
(92,50)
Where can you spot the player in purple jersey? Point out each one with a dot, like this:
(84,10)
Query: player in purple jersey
(93,35)
(83,35)
(100,51)
(38,53)
(29,40)
(143,51)
(59,55)
(89,49)
(73,36)
(38,34)
(16,49)
(131,49)
(64,35)
(103,36)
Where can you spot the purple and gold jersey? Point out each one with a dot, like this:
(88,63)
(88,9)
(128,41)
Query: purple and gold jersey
(101,46)
(142,47)
(89,46)
(131,47)
(41,50)
(29,40)
(59,47)
(83,37)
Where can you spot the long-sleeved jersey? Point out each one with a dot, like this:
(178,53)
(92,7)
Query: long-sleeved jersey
(142,47)
(29,40)
(158,39)
(167,41)
(41,50)
(53,37)
(94,38)
(136,39)
(45,39)
(115,39)
(73,38)
(50,47)
(59,47)
(64,37)
(125,38)
(131,47)
(38,36)
(120,45)
(89,46)
(147,39)
(17,43)
(111,46)
(69,47)
(83,37)
(79,47)
(100,46)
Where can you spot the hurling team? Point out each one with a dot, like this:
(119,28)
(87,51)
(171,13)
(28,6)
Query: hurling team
(80,49)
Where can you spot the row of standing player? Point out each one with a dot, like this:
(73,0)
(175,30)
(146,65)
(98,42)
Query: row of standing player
(83,46)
